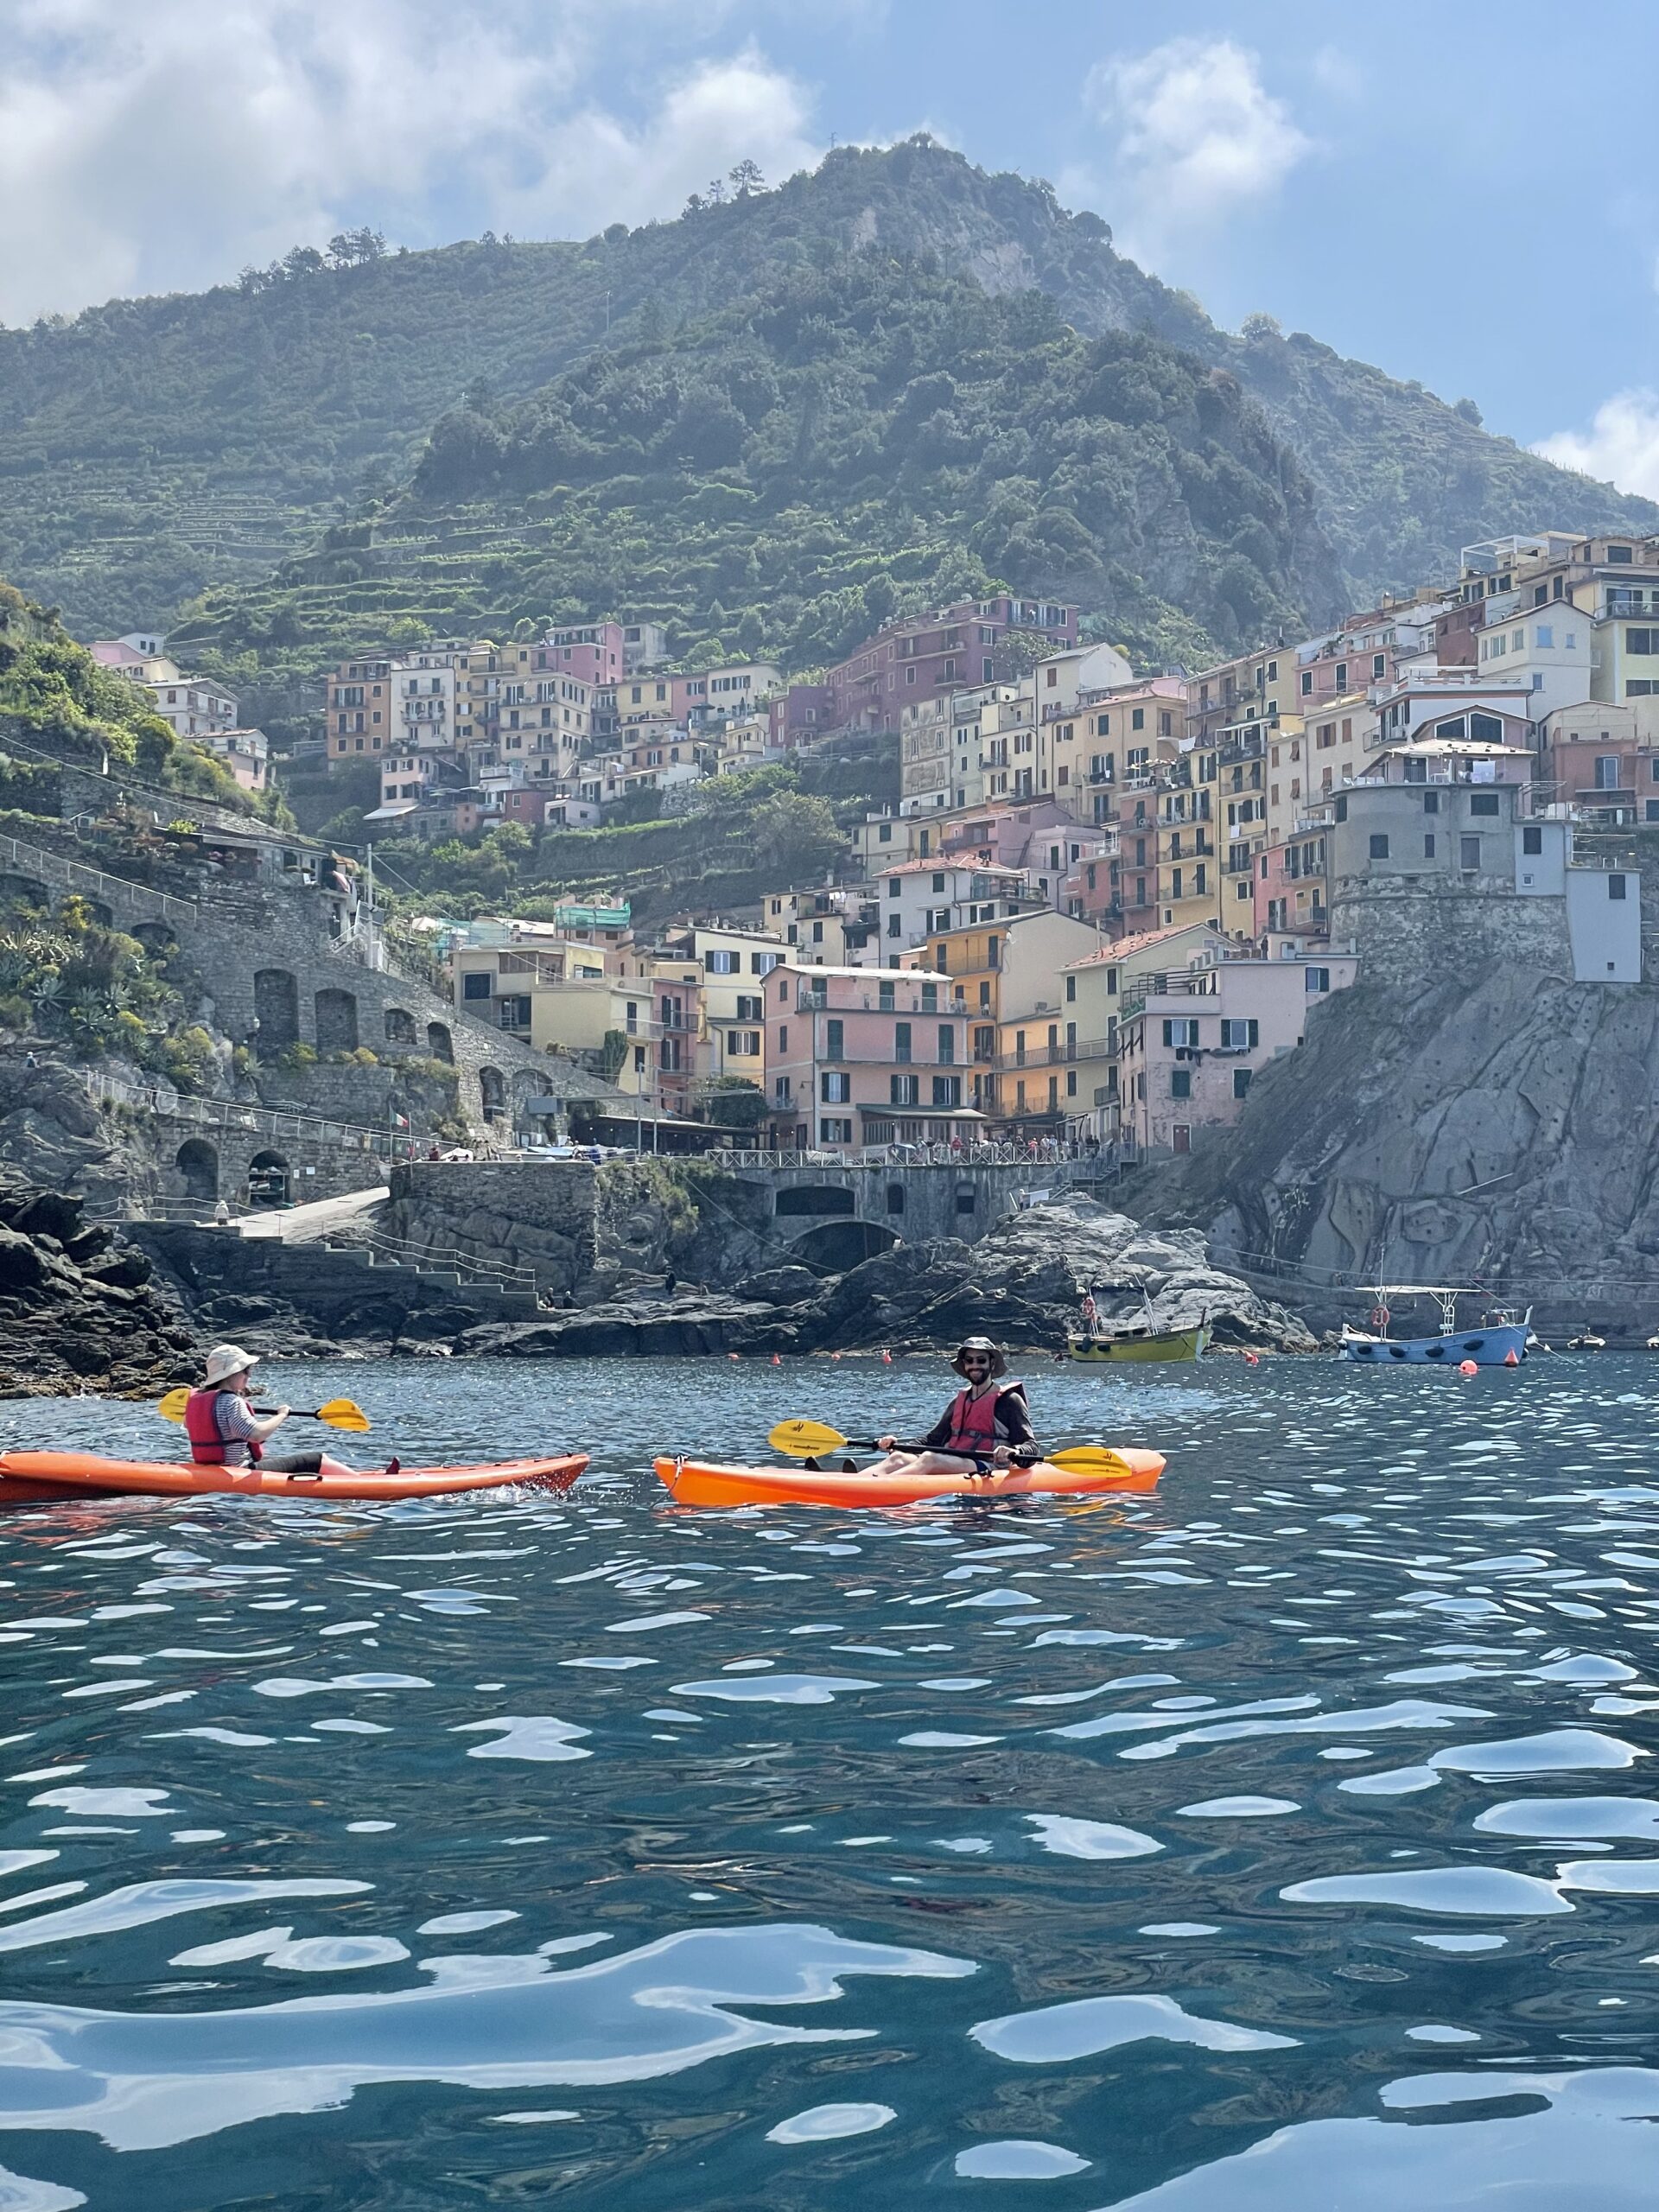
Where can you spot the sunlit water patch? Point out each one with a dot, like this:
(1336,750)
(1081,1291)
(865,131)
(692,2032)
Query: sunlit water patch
(1288,1837)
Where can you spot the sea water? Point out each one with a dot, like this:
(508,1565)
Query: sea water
(1289,1838)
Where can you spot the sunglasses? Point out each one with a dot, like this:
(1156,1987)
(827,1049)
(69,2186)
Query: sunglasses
(975,1360)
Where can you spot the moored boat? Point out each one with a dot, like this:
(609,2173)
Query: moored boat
(1137,1342)
(1499,1340)
(31,1478)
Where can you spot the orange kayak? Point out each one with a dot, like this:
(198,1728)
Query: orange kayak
(28,1478)
(696,1482)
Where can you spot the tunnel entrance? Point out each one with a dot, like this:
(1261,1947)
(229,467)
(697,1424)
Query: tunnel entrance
(836,1246)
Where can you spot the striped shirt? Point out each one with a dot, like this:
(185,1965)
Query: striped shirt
(236,1422)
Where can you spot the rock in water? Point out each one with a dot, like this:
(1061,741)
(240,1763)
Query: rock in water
(78,1310)
(1025,1283)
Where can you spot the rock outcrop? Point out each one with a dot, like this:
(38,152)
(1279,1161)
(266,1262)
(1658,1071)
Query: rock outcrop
(1024,1284)
(77,1309)
(1493,1129)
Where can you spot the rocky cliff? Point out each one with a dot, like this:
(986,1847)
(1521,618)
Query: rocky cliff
(78,1310)
(1493,1128)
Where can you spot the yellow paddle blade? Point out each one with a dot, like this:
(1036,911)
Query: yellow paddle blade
(804,1439)
(341,1413)
(1089,1460)
(173,1405)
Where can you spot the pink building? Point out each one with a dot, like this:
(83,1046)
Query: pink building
(1291,889)
(1189,1050)
(801,714)
(918,657)
(594,653)
(855,1056)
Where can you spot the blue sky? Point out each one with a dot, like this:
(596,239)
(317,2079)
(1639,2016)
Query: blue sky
(1461,195)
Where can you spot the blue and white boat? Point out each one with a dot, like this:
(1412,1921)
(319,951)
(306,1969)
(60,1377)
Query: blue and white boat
(1499,1341)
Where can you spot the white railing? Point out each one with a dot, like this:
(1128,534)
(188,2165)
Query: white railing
(73,875)
(232,1117)
(1050,1152)
(502,1275)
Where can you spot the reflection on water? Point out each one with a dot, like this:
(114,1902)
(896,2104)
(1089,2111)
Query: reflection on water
(1283,1840)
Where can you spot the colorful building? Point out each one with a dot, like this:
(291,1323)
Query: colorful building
(1193,1042)
(856,1057)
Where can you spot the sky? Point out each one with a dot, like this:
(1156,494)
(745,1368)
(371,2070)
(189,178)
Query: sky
(1463,196)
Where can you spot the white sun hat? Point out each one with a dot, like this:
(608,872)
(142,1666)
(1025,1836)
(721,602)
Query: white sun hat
(228,1359)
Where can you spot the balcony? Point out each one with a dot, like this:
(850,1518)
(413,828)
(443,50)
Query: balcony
(1067,1054)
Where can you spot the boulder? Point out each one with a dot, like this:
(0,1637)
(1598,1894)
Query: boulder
(786,1285)
(1026,1281)
(77,1309)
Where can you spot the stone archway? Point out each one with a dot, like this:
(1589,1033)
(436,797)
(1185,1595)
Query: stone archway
(834,1246)
(276,1010)
(492,1092)
(24,891)
(336,1013)
(400,1027)
(438,1042)
(270,1179)
(198,1163)
(815,1198)
(156,938)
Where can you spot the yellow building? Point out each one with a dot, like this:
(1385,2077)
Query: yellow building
(1189,872)
(1006,976)
(733,965)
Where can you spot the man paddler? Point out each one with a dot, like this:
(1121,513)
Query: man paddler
(987,1424)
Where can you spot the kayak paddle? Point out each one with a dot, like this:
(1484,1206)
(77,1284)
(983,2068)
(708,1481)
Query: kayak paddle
(339,1413)
(802,1440)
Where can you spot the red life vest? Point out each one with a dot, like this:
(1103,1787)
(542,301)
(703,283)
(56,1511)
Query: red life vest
(206,1439)
(973,1421)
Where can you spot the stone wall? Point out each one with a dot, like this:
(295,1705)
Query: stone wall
(204,1162)
(1409,938)
(586,1230)
(537,1214)
(272,977)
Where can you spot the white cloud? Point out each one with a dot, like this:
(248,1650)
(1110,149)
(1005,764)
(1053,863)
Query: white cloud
(1622,445)
(153,146)
(1196,137)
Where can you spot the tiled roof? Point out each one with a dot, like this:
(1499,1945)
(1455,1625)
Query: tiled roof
(1126,946)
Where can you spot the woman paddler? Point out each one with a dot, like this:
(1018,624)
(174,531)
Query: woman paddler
(226,1432)
(988,1423)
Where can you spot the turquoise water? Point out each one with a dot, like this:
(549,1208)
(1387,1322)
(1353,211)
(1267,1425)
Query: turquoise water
(1286,1840)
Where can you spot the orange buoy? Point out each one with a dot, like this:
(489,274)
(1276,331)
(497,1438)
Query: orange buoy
(777,1359)
(1511,1358)
(1467,1367)
(733,1355)
(887,1359)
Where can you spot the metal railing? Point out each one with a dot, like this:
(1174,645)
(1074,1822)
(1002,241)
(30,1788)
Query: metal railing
(400,1251)
(1064,1052)
(73,875)
(234,1118)
(990,1153)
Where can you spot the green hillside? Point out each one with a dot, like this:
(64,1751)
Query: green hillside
(151,447)
(856,435)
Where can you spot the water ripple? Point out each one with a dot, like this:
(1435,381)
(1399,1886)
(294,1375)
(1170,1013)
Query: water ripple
(1145,1850)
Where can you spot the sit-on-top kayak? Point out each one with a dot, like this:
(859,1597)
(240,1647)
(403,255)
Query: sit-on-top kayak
(27,1477)
(696,1482)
